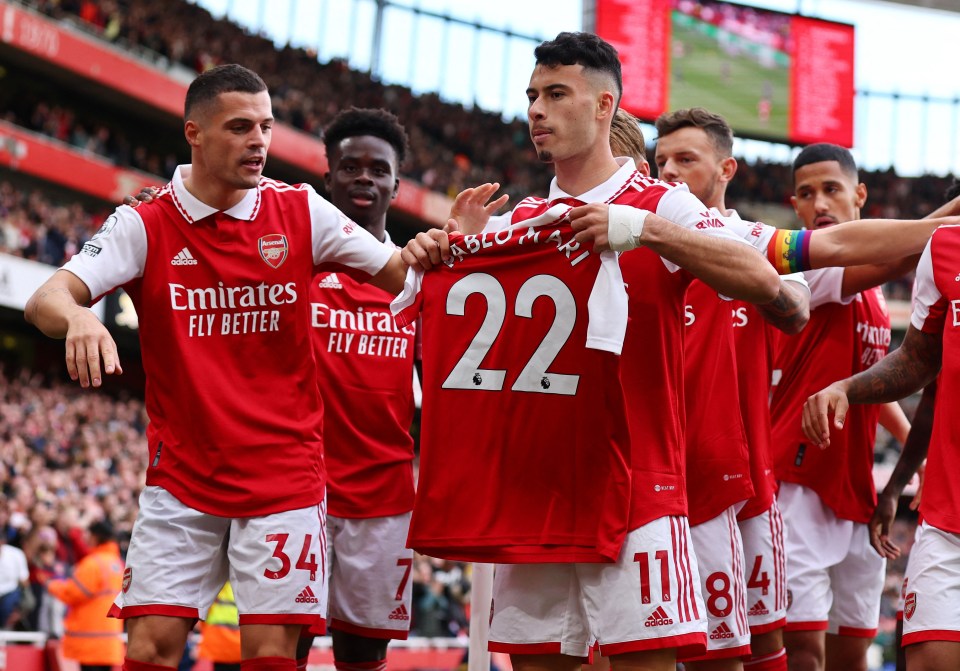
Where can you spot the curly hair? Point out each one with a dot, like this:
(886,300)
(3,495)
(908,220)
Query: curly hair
(376,122)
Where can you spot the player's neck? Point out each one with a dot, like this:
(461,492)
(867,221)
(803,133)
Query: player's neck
(377,228)
(579,174)
(210,192)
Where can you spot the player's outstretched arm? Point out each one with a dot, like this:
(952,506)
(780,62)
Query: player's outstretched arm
(56,308)
(790,310)
(732,268)
(912,456)
(869,241)
(905,370)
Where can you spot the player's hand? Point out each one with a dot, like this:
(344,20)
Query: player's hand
(472,208)
(590,223)
(921,473)
(146,195)
(817,410)
(428,249)
(90,349)
(879,526)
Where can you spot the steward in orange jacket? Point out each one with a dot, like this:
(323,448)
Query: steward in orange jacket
(220,635)
(90,637)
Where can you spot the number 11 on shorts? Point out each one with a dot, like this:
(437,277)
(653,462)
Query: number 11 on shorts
(643,558)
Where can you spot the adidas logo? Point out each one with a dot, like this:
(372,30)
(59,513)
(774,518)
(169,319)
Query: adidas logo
(400,613)
(759,608)
(183,258)
(331,281)
(721,632)
(658,618)
(307,596)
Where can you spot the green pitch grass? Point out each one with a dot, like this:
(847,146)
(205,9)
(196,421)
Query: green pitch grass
(730,85)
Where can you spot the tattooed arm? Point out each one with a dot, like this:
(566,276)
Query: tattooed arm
(912,366)
(790,310)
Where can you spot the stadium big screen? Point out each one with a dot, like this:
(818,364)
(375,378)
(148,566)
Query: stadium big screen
(774,76)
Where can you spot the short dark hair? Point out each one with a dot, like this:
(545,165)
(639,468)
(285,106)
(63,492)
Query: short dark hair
(714,125)
(824,151)
(375,122)
(585,49)
(227,78)
(103,531)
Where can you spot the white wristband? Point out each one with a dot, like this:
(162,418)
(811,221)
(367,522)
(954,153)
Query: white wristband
(625,226)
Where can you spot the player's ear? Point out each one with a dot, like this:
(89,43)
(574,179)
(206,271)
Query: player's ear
(728,168)
(396,188)
(861,192)
(606,105)
(793,201)
(191,130)
(327,179)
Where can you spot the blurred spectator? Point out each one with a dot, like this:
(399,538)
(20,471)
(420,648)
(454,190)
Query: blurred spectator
(14,576)
(220,632)
(90,637)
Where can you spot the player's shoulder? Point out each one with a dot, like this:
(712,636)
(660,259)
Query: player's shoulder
(948,232)
(271,186)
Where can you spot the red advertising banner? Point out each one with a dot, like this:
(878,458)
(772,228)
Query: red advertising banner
(54,161)
(821,82)
(640,32)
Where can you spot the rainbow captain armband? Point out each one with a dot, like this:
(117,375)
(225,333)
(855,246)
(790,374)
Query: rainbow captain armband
(789,251)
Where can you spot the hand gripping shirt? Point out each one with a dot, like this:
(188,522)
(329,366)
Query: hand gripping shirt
(841,339)
(365,373)
(937,310)
(524,452)
(224,310)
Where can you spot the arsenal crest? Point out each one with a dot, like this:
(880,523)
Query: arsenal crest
(273,249)
(910,605)
(127,579)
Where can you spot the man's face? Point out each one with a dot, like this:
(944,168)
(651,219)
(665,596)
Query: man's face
(233,136)
(363,177)
(687,155)
(564,103)
(826,195)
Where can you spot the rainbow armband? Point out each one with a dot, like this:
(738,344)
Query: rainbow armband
(789,251)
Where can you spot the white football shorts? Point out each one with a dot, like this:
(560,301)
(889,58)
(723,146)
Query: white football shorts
(649,599)
(179,559)
(719,552)
(766,570)
(370,581)
(834,576)
(931,605)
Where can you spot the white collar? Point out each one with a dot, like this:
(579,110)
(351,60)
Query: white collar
(194,209)
(602,193)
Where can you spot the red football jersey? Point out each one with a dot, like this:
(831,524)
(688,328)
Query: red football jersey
(224,310)
(524,452)
(754,344)
(718,460)
(365,372)
(839,341)
(937,310)
(652,362)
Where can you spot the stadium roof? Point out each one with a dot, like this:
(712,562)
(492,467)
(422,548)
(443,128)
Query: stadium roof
(949,5)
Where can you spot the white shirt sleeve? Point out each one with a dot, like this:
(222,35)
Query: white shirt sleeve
(796,278)
(684,209)
(116,254)
(926,294)
(825,285)
(337,239)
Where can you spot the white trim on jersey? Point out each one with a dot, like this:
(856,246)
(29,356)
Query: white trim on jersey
(925,293)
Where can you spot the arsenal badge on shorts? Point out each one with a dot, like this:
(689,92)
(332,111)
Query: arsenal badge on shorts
(127,579)
(910,605)
(273,249)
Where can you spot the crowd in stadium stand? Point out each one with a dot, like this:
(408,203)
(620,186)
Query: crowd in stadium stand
(70,457)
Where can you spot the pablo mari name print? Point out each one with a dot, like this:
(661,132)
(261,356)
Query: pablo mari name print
(225,310)
(471,244)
